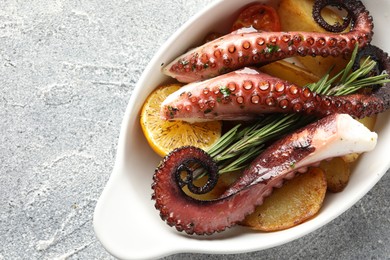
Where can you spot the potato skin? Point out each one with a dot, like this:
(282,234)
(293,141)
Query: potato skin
(296,201)
(337,173)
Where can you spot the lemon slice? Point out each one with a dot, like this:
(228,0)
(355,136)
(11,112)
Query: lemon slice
(164,136)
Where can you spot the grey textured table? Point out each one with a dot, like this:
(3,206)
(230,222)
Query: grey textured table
(67,71)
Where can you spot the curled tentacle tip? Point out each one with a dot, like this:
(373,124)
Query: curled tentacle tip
(319,5)
(186,164)
(383,66)
(375,53)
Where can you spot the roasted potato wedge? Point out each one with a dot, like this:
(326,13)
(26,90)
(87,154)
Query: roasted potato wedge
(369,122)
(296,201)
(337,173)
(290,72)
(350,158)
(296,15)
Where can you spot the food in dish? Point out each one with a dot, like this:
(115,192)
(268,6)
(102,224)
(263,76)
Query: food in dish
(175,166)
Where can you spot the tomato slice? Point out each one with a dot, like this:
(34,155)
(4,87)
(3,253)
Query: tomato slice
(259,16)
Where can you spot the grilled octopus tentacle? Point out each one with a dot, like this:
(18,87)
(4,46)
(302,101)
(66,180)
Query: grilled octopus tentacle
(249,93)
(240,48)
(281,160)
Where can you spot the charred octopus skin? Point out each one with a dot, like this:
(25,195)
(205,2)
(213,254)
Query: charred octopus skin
(331,136)
(383,65)
(239,49)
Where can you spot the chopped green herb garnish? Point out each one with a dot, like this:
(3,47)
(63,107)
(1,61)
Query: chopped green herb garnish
(271,48)
(184,62)
(225,91)
(292,165)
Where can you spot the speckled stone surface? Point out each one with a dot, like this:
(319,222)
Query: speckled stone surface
(67,71)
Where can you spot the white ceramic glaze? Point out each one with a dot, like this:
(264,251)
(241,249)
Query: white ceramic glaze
(125,220)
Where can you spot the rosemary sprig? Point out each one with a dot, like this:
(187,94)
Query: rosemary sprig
(239,146)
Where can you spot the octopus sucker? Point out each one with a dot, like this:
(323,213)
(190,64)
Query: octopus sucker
(250,47)
(334,135)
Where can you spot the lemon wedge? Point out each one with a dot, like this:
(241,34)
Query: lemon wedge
(164,136)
